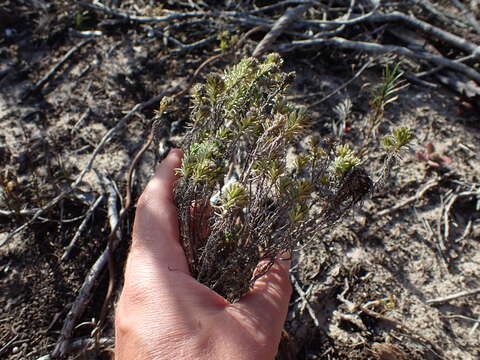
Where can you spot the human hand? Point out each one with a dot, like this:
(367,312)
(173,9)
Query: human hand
(164,313)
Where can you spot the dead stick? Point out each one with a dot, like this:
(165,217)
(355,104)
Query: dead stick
(278,28)
(448,209)
(57,66)
(430,185)
(281,4)
(302,295)
(81,301)
(171,16)
(383,49)
(341,87)
(468,14)
(105,140)
(21,212)
(443,35)
(82,226)
(355,20)
(441,300)
(474,327)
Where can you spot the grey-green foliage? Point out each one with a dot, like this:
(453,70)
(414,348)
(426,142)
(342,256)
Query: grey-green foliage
(238,198)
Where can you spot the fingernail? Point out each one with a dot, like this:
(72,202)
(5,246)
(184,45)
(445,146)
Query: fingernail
(176,153)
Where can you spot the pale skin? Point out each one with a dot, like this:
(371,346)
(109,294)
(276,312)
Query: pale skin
(164,313)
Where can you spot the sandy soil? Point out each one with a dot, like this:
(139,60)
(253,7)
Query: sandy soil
(361,290)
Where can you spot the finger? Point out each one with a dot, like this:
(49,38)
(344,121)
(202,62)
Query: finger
(268,300)
(155,231)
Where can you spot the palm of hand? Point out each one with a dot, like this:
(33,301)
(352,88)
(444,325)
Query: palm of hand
(164,313)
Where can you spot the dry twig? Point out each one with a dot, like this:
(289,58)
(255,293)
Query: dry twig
(24,212)
(55,68)
(383,49)
(428,186)
(281,4)
(82,226)
(448,209)
(341,87)
(356,19)
(444,299)
(427,5)
(474,327)
(461,317)
(80,303)
(105,140)
(468,14)
(305,301)
(172,15)
(278,28)
(454,40)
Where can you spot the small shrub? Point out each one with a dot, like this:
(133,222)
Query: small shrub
(239,200)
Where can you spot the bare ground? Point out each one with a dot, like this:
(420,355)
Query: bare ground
(360,293)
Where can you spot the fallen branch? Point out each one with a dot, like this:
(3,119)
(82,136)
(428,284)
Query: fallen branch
(383,49)
(105,139)
(338,30)
(82,226)
(468,14)
(98,6)
(197,44)
(416,80)
(448,209)
(305,301)
(181,46)
(171,14)
(80,303)
(55,68)
(474,327)
(115,236)
(9,343)
(438,68)
(355,20)
(444,299)
(440,34)
(461,317)
(466,232)
(430,185)
(281,4)
(278,28)
(24,212)
(341,87)
(428,6)
(372,16)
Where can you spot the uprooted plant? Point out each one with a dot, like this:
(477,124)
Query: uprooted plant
(239,197)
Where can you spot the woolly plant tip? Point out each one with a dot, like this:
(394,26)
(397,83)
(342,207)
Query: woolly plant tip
(398,139)
(344,161)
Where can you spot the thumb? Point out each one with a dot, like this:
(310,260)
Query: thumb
(155,231)
(268,300)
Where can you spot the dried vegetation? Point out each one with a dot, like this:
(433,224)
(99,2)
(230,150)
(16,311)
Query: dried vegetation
(79,87)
